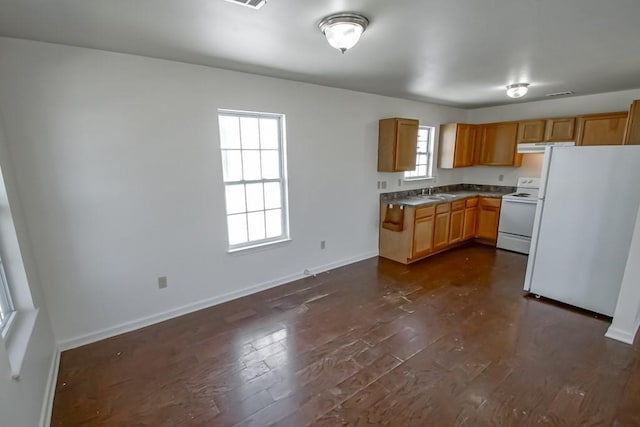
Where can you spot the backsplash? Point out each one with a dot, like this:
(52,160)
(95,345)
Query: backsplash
(503,189)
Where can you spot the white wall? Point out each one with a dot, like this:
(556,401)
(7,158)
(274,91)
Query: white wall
(491,175)
(21,402)
(117,163)
(532,164)
(626,318)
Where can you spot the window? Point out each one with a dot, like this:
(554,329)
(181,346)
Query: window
(424,155)
(6,305)
(254,173)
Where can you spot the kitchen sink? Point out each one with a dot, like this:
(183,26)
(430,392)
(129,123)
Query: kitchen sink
(438,196)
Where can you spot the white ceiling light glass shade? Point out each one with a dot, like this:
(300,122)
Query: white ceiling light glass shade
(343,30)
(517,90)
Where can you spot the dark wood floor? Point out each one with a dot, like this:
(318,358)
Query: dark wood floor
(447,341)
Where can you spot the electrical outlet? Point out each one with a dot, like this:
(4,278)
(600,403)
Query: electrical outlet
(383,184)
(322,244)
(162,282)
(378,185)
(500,177)
(399,182)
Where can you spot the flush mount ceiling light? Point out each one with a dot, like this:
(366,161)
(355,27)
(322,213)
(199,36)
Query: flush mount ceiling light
(343,30)
(517,90)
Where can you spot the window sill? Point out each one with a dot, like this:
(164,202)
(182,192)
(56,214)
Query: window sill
(258,247)
(18,339)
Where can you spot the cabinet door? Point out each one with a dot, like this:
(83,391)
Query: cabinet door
(465,145)
(441,231)
(498,144)
(457,145)
(559,129)
(456,226)
(470,218)
(397,144)
(602,129)
(406,144)
(488,219)
(423,236)
(531,131)
(632,131)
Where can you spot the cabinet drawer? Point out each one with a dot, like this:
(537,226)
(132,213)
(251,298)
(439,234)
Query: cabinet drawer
(425,211)
(490,202)
(457,205)
(472,202)
(444,207)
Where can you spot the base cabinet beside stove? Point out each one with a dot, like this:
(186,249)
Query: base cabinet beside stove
(488,219)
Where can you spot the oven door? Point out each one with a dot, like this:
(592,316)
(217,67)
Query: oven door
(516,217)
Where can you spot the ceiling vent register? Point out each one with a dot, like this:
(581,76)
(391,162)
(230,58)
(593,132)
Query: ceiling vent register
(565,93)
(253,4)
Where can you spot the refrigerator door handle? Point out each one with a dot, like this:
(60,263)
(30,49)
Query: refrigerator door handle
(544,175)
(531,261)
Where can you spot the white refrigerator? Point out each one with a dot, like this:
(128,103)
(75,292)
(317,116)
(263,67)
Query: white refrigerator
(585,216)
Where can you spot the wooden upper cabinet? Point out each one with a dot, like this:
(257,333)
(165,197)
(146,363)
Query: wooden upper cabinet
(457,145)
(498,145)
(397,144)
(601,129)
(560,129)
(632,130)
(531,131)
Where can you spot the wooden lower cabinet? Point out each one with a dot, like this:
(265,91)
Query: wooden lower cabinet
(429,229)
(457,224)
(441,226)
(488,219)
(423,236)
(470,221)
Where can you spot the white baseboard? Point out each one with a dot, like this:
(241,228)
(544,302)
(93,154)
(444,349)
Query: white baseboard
(49,391)
(621,335)
(189,308)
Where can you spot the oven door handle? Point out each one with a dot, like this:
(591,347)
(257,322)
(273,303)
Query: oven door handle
(533,202)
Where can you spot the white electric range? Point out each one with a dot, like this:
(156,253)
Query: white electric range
(516,216)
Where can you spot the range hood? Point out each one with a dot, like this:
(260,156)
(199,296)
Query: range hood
(538,147)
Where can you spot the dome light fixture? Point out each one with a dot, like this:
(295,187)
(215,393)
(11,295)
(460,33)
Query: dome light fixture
(517,90)
(343,30)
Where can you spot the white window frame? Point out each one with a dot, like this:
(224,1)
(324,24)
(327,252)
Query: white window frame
(413,175)
(284,236)
(7,309)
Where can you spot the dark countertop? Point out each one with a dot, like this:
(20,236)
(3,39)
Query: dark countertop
(425,200)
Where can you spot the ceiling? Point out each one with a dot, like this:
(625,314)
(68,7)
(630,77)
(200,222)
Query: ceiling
(454,52)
